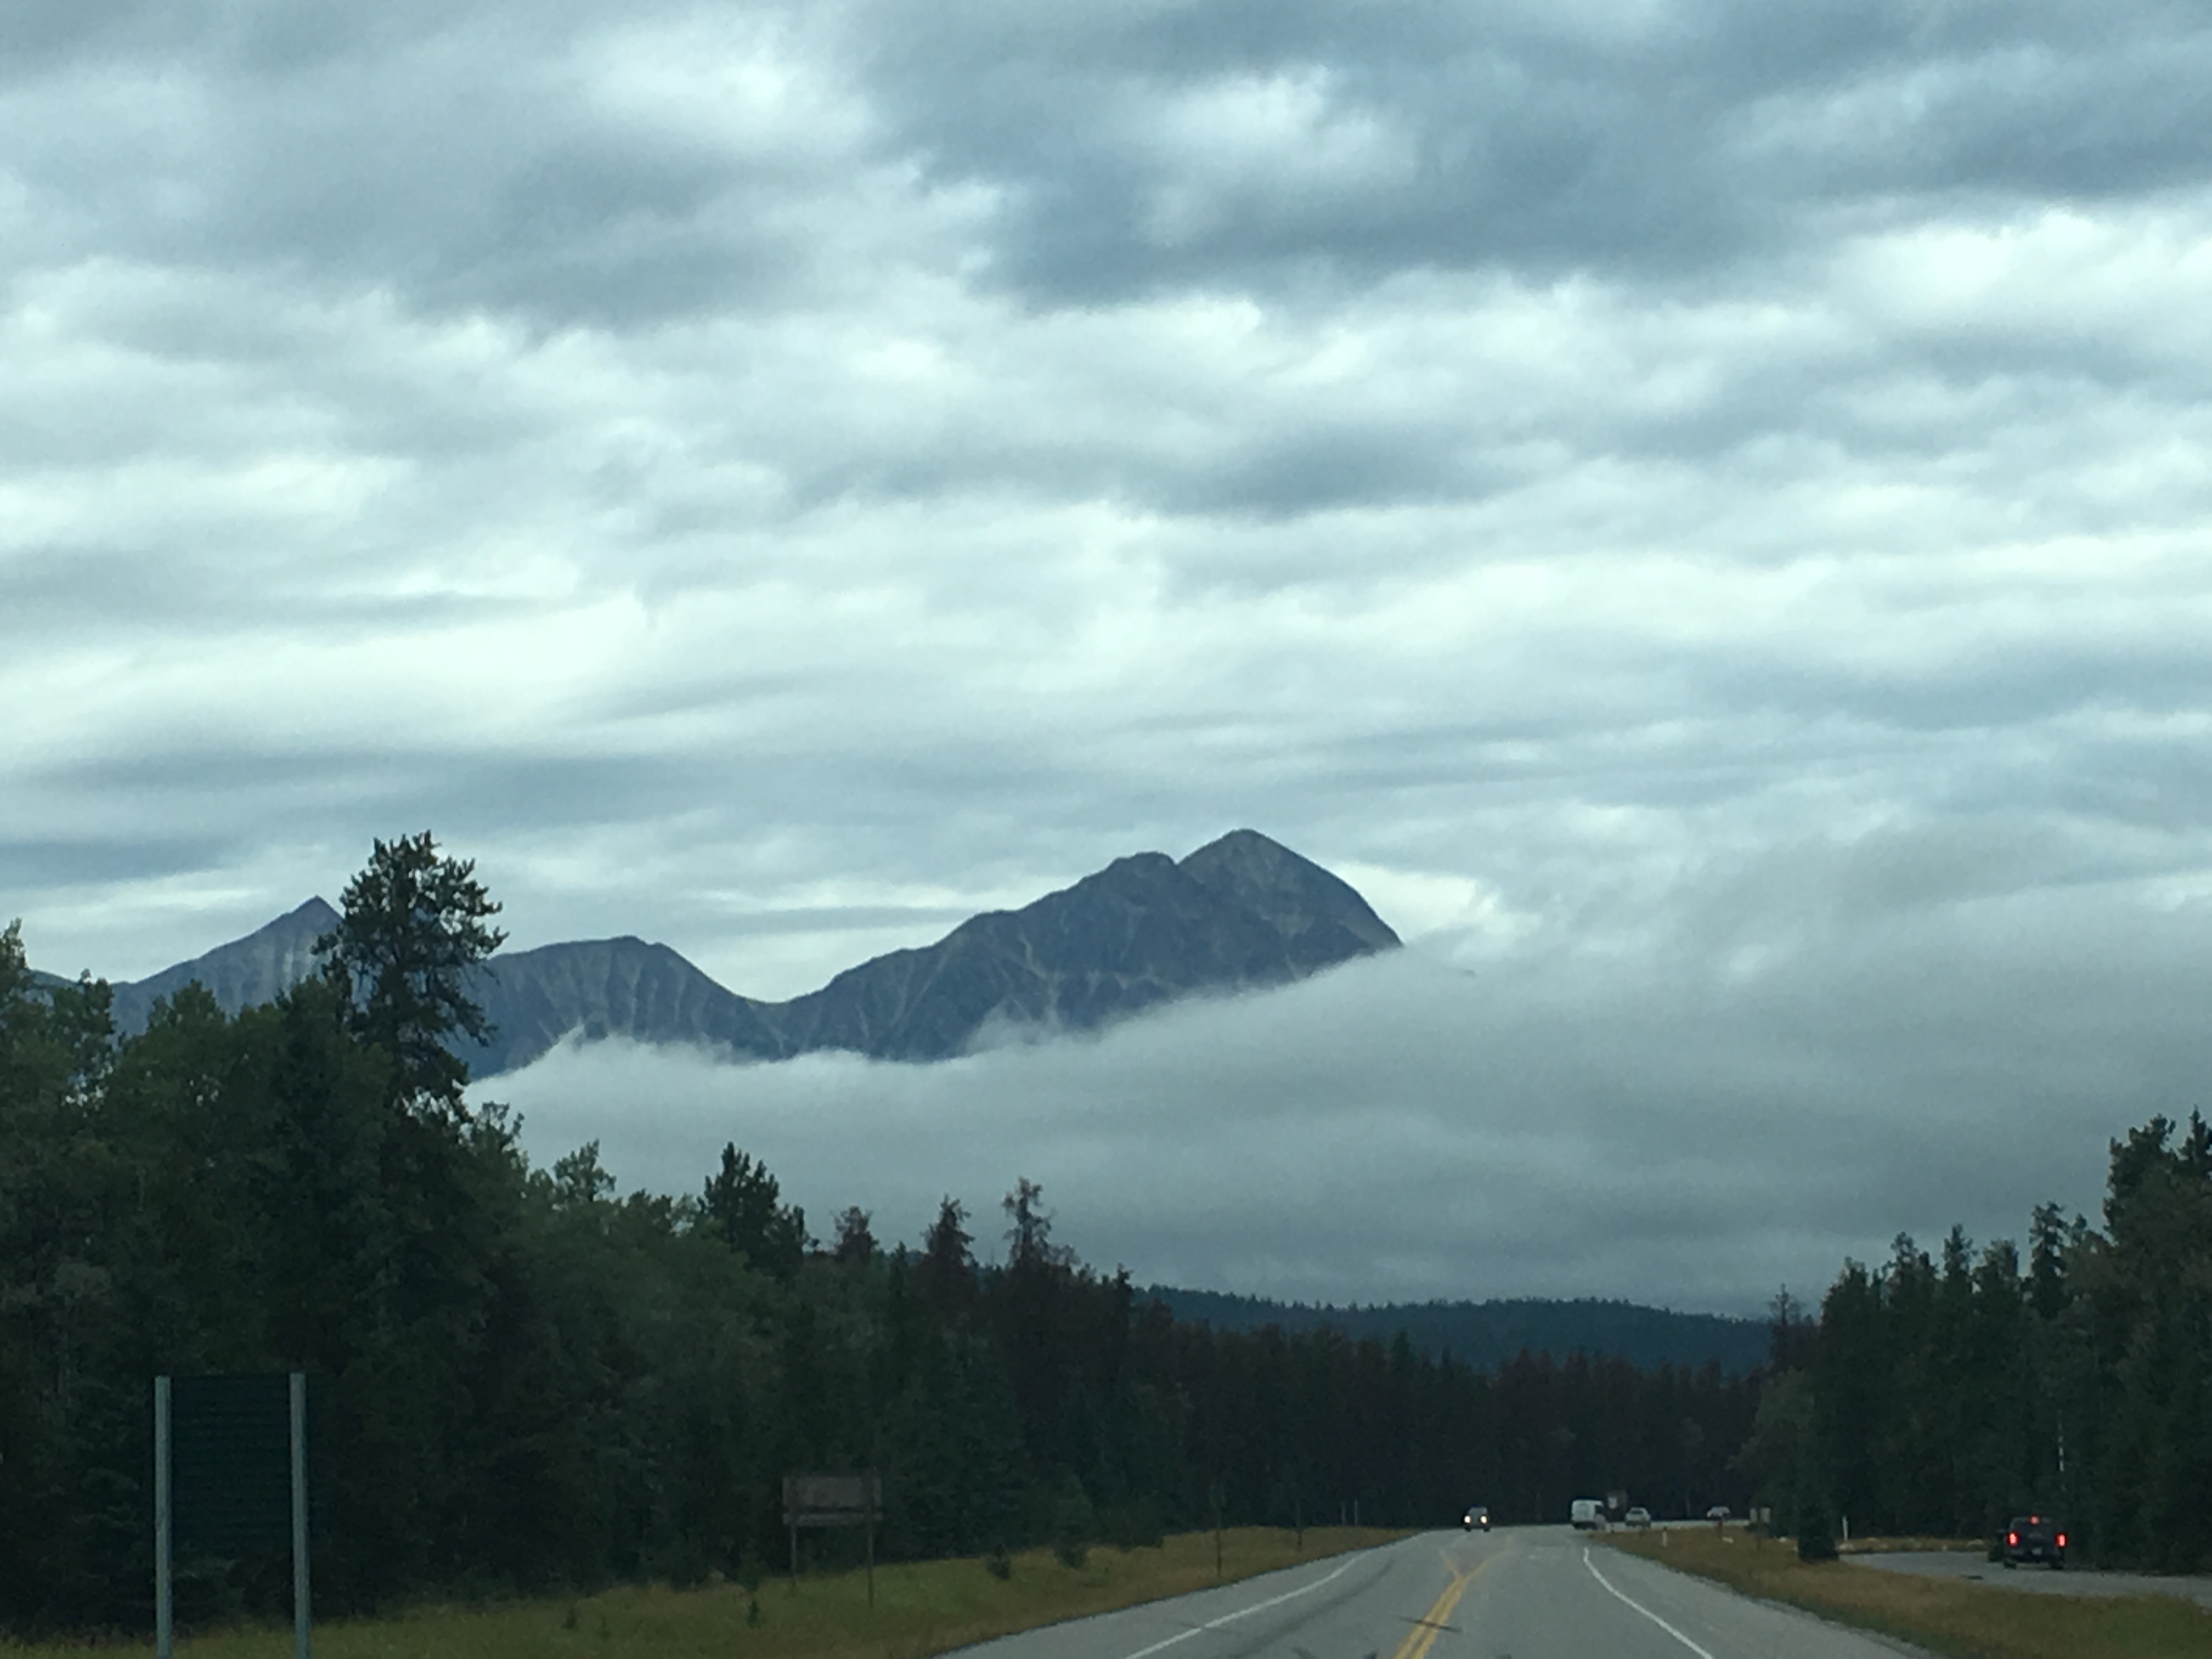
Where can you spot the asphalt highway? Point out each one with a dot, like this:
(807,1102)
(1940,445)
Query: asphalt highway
(1517,1593)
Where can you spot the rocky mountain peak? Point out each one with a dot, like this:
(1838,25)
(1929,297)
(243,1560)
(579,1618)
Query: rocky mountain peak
(1294,893)
(262,966)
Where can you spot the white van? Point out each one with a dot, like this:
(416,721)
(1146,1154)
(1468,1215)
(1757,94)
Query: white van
(1587,1513)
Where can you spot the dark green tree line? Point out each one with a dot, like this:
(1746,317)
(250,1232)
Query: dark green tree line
(1943,1395)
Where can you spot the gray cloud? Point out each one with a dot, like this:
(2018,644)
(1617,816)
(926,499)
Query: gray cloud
(33,862)
(575,166)
(1228,145)
(1715,489)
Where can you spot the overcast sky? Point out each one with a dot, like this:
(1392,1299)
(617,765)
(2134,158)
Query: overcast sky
(1698,510)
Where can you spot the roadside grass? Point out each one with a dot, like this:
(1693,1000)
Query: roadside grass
(1965,1620)
(921,1608)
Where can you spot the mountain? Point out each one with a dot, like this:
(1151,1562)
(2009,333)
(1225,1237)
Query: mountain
(1320,919)
(257,969)
(1486,1335)
(1241,912)
(607,988)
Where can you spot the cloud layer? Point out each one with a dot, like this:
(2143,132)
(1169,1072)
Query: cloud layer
(778,479)
(1693,1123)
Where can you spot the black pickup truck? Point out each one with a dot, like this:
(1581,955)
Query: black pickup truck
(2035,1538)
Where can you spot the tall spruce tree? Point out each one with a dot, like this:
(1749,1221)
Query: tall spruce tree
(414,925)
(946,1272)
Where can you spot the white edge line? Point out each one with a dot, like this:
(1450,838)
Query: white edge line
(1257,1607)
(1638,1606)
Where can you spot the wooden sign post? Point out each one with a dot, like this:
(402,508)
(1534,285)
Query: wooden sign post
(834,1500)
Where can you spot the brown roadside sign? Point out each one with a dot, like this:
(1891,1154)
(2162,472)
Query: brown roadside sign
(832,1500)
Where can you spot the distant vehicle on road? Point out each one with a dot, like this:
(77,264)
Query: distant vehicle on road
(1719,1512)
(1639,1516)
(2035,1538)
(1587,1514)
(1478,1515)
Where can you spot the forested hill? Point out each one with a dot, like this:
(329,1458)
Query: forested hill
(1486,1335)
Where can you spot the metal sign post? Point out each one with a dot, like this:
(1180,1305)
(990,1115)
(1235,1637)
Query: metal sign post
(230,1477)
(301,1624)
(165,1645)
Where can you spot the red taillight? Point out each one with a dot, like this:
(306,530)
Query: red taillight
(2062,1540)
(2012,1538)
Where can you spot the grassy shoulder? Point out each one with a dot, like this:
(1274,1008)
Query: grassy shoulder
(1946,1616)
(1911,1543)
(921,1608)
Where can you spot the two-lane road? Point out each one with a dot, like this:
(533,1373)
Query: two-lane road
(1519,1593)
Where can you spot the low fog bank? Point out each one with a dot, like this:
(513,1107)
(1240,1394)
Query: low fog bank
(1676,1115)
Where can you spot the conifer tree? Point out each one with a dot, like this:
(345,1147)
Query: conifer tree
(414,925)
(946,1272)
(740,1206)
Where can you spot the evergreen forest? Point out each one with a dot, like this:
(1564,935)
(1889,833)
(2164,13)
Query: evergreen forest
(1941,1395)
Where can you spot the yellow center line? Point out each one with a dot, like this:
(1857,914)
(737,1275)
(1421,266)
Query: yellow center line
(1423,1636)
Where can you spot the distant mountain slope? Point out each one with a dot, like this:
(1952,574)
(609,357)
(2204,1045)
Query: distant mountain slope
(257,969)
(607,988)
(1485,1334)
(1241,912)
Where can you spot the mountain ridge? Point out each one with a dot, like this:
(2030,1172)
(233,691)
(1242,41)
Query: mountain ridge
(1490,1335)
(1242,913)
